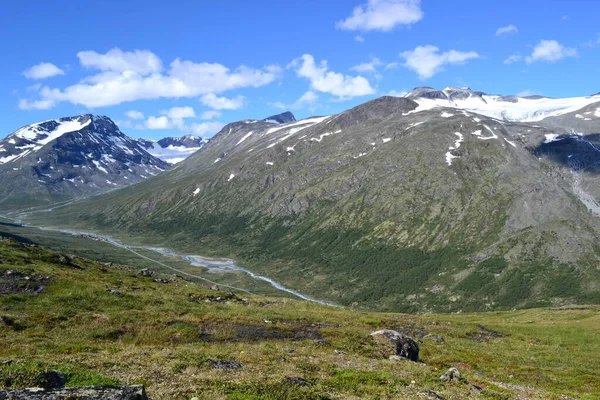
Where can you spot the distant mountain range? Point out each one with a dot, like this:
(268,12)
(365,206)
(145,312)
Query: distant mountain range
(445,200)
(173,149)
(71,157)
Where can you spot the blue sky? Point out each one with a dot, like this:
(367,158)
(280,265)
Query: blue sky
(168,68)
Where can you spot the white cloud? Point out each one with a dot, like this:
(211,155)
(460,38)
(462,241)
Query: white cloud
(367,66)
(392,65)
(158,122)
(222,103)
(426,61)
(382,15)
(135,114)
(142,62)
(322,80)
(180,112)
(36,104)
(42,71)
(359,39)
(506,30)
(396,93)
(550,50)
(206,128)
(138,75)
(513,59)
(210,114)
(308,99)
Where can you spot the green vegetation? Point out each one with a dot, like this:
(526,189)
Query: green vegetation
(102,324)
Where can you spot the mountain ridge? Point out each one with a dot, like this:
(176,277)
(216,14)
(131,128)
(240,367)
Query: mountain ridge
(389,205)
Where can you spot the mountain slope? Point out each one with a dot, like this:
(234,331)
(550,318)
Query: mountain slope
(71,157)
(382,206)
(107,324)
(173,149)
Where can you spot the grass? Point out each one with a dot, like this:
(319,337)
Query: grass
(101,324)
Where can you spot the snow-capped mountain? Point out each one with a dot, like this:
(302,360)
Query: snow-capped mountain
(173,149)
(508,108)
(70,157)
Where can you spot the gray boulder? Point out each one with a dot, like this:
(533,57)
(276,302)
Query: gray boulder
(452,375)
(396,343)
(136,392)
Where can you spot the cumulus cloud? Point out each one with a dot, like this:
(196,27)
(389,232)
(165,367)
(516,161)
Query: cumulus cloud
(222,103)
(161,122)
(382,15)
(322,80)
(551,51)
(359,39)
(308,99)
(206,128)
(505,30)
(36,104)
(135,114)
(180,112)
(142,62)
(367,66)
(139,75)
(211,114)
(513,59)
(427,61)
(42,71)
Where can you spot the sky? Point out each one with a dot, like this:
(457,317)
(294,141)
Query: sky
(169,68)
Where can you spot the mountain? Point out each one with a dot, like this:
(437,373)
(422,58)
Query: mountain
(282,118)
(173,149)
(71,157)
(405,204)
(509,108)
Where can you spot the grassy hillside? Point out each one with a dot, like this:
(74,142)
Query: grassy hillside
(102,323)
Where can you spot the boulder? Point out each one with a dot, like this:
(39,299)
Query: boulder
(136,392)
(452,375)
(394,343)
(51,380)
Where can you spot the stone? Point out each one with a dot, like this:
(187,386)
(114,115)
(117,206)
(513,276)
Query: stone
(294,380)
(396,343)
(226,365)
(452,375)
(136,392)
(51,380)
(430,395)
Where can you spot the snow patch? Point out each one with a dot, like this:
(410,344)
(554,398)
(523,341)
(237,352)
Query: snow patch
(270,163)
(552,137)
(246,136)
(195,192)
(509,142)
(446,115)
(385,140)
(230,177)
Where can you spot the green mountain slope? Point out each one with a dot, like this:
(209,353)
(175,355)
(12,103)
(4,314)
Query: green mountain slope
(384,206)
(112,324)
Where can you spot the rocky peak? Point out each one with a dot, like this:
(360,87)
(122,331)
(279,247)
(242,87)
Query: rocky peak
(282,118)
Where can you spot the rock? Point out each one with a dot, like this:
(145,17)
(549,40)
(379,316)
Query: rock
(226,365)
(452,375)
(294,380)
(116,292)
(51,380)
(428,394)
(397,344)
(340,352)
(398,358)
(195,398)
(136,392)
